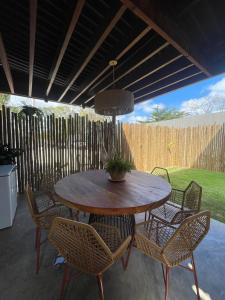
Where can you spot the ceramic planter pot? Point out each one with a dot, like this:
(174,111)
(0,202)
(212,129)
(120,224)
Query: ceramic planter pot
(117,176)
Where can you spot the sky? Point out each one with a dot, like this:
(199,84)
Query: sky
(190,99)
(197,98)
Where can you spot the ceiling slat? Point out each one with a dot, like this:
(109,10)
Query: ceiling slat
(5,64)
(147,12)
(165,86)
(132,68)
(74,20)
(153,71)
(120,55)
(33,20)
(162,78)
(95,48)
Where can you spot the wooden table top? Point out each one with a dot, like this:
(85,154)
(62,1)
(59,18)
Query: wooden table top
(92,192)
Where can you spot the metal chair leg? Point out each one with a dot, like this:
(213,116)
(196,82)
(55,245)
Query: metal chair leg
(164,278)
(66,279)
(36,236)
(126,261)
(38,248)
(167,283)
(195,276)
(100,286)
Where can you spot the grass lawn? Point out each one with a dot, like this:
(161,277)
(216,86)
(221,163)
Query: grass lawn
(213,185)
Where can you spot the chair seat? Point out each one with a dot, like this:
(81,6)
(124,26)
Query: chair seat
(46,217)
(124,223)
(109,234)
(112,237)
(155,232)
(167,212)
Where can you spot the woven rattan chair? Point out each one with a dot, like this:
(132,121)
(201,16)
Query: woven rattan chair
(124,223)
(162,172)
(182,204)
(43,212)
(171,246)
(90,249)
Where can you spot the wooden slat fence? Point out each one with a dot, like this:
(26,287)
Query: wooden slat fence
(50,143)
(75,143)
(198,147)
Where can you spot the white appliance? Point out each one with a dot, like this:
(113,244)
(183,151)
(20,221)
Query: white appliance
(8,195)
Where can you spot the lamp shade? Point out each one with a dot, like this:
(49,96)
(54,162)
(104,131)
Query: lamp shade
(114,102)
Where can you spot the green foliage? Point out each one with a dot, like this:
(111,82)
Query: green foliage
(118,164)
(213,187)
(165,114)
(4,99)
(30,111)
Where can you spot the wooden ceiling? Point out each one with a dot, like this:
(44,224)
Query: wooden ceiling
(59,49)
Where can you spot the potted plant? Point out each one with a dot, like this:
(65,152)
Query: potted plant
(117,167)
(8,155)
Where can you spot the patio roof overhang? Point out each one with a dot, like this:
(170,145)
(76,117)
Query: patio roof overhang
(59,50)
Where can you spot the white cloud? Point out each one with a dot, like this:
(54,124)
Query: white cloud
(214,101)
(142,112)
(133,117)
(149,107)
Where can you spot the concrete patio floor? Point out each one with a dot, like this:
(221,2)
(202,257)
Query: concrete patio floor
(142,281)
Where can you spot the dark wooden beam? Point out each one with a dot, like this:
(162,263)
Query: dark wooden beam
(5,64)
(119,56)
(132,69)
(162,78)
(73,23)
(33,21)
(151,13)
(108,29)
(168,85)
(153,71)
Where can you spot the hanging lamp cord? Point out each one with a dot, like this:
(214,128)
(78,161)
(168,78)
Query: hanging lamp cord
(113,71)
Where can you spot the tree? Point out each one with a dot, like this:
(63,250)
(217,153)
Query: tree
(4,99)
(162,114)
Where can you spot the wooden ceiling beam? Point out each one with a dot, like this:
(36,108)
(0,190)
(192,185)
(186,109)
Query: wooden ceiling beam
(154,71)
(107,31)
(162,78)
(72,25)
(168,85)
(32,28)
(119,56)
(5,64)
(151,14)
(132,69)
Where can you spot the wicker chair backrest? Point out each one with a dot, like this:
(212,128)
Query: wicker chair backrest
(162,172)
(80,245)
(186,238)
(192,196)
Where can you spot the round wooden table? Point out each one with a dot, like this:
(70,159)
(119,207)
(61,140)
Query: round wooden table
(92,192)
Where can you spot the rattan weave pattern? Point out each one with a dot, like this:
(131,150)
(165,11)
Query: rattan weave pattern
(162,172)
(124,223)
(169,245)
(49,210)
(82,246)
(182,204)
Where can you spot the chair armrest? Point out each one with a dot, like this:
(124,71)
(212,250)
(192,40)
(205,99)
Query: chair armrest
(181,215)
(159,223)
(174,204)
(177,190)
(122,248)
